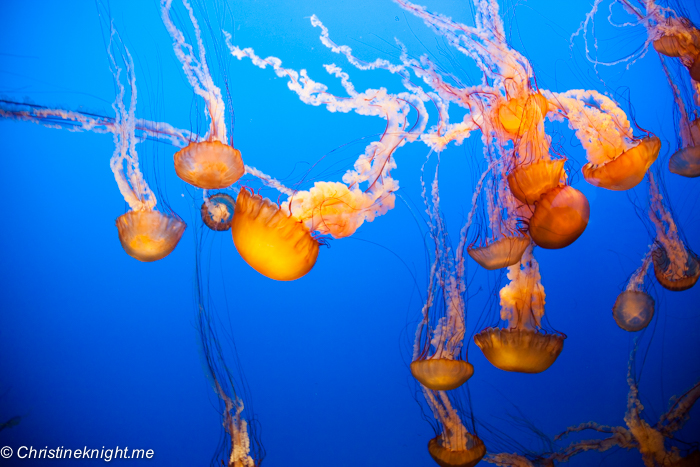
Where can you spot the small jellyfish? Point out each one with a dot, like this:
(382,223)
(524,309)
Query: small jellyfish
(522,346)
(144,233)
(468,457)
(209,164)
(217,212)
(212,163)
(149,235)
(678,39)
(676,267)
(633,310)
(438,363)
(686,161)
(560,217)
(504,243)
(518,114)
(273,243)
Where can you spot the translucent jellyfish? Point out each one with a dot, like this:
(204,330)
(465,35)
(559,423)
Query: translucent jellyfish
(273,243)
(144,233)
(522,345)
(502,243)
(634,308)
(676,267)
(438,363)
(217,211)
(212,163)
(455,446)
(638,434)
(686,161)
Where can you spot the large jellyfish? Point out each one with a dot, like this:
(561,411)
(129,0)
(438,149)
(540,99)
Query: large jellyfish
(211,163)
(144,233)
(676,267)
(522,345)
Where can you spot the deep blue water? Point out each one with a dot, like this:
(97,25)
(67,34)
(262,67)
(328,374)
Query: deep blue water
(99,349)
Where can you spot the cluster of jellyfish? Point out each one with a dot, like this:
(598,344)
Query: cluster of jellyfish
(525,193)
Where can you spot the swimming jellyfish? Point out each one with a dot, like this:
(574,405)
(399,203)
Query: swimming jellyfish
(145,234)
(210,163)
(634,308)
(522,345)
(676,267)
(437,352)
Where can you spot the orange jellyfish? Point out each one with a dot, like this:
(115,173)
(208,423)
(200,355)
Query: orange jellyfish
(211,163)
(503,244)
(144,233)
(522,345)
(273,243)
(676,267)
(675,37)
(634,308)
(559,218)
(617,160)
(454,446)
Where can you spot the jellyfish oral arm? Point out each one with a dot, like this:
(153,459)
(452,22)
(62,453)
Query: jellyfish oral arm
(197,71)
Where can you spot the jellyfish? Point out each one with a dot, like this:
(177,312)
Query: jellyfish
(437,352)
(634,308)
(217,211)
(271,242)
(639,434)
(522,346)
(617,159)
(676,267)
(144,233)
(211,163)
(454,446)
(673,37)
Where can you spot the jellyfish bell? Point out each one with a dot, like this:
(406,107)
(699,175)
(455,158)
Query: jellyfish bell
(445,457)
(149,235)
(209,164)
(217,212)
(633,310)
(668,274)
(686,161)
(441,374)
(518,114)
(529,182)
(679,45)
(501,253)
(560,217)
(626,170)
(270,241)
(520,350)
